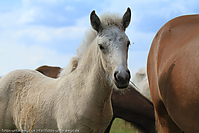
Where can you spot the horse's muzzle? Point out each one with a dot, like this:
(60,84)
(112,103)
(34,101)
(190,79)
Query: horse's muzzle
(122,78)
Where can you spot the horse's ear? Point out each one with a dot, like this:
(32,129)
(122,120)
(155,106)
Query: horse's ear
(95,21)
(126,18)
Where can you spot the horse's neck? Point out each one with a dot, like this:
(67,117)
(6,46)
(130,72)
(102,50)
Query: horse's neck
(90,90)
(96,80)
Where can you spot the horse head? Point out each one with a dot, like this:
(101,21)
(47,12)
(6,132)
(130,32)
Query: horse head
(113,45)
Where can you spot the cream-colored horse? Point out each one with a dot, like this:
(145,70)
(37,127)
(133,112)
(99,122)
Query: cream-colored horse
(77,101)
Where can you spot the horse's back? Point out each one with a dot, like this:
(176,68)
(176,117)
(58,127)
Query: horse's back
(16,90)
(173,65)
(16,78)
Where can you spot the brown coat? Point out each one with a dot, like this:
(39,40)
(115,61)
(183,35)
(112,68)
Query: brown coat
(173,64)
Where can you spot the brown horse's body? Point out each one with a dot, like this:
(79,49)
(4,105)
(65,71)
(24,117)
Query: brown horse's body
(129,105)
(173,66)
(133,107)
(54,71)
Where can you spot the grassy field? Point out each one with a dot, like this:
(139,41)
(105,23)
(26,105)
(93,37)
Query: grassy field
(119,126)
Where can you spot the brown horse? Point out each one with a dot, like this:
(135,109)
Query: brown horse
(173,64)
(129,105)
(133,107)
(49,71)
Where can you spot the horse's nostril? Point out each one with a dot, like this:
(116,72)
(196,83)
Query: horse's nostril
(128,75)
(116,76)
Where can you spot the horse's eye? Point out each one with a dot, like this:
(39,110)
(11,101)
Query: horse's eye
(128,43)
(101,47)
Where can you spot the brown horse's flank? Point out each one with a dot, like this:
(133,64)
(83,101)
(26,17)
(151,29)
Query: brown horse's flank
(172,69)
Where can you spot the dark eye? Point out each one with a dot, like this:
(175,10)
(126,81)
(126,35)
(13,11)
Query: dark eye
(128,43)
(101,47)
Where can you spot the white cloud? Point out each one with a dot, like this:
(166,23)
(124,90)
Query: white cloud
(69,32)
(42,34)
(16,56)
(69,8)
(27,17)
(16,53)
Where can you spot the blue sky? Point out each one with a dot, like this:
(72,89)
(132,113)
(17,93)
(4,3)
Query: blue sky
(48,32)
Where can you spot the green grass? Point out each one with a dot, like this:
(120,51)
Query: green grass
(119,126)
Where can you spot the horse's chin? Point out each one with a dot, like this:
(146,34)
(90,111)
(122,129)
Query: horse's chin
(121,86)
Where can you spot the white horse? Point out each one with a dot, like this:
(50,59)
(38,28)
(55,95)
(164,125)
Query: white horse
(141,81)
(78,100)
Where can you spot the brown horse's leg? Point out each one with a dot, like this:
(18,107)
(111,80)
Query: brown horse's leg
(163,121)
